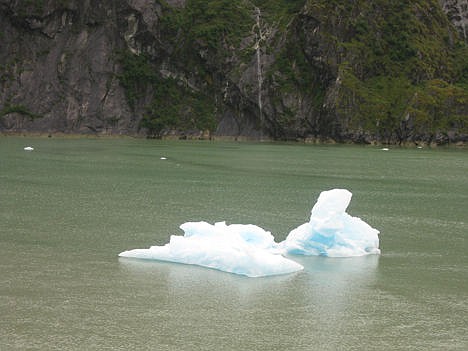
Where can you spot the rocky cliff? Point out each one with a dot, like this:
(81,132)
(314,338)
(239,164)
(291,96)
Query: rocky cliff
(457,12)
(311,69)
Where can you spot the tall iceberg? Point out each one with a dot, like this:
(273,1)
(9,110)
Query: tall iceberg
(243,249)
(331,231)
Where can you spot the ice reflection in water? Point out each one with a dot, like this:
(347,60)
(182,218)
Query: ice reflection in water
(289,311)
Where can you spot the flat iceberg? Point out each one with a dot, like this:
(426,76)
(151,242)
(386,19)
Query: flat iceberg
(331,231)
(249,250)
(243,249)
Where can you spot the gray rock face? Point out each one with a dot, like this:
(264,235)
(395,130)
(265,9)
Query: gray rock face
(457,12)
(58,62)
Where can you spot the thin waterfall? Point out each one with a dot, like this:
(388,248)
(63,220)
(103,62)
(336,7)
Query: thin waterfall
(259,36)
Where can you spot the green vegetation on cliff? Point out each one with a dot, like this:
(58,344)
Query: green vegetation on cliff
(363,71)
(19,109)
(392,71)
(402,69)
(174,105)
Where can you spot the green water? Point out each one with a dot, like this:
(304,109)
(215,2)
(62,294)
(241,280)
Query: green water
(71,205)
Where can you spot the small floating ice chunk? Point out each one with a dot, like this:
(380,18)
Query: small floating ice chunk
(331,231)
(28,148)
(243,249)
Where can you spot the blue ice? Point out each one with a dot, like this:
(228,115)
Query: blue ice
(331,231)
(249,250)
(243,249)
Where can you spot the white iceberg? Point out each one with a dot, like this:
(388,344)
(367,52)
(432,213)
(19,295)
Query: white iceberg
(331,231)
(237,248)
(247,249)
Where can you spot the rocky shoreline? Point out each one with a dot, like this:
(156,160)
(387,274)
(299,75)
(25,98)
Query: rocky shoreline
(218,138)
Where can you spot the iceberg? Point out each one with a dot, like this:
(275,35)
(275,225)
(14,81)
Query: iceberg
(249,250)
(244,249)
(331,231)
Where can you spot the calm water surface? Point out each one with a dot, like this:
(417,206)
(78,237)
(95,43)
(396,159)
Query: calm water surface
(70,206)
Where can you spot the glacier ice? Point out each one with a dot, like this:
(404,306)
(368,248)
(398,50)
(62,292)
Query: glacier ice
(243,249)
(331,231)
(247,249)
